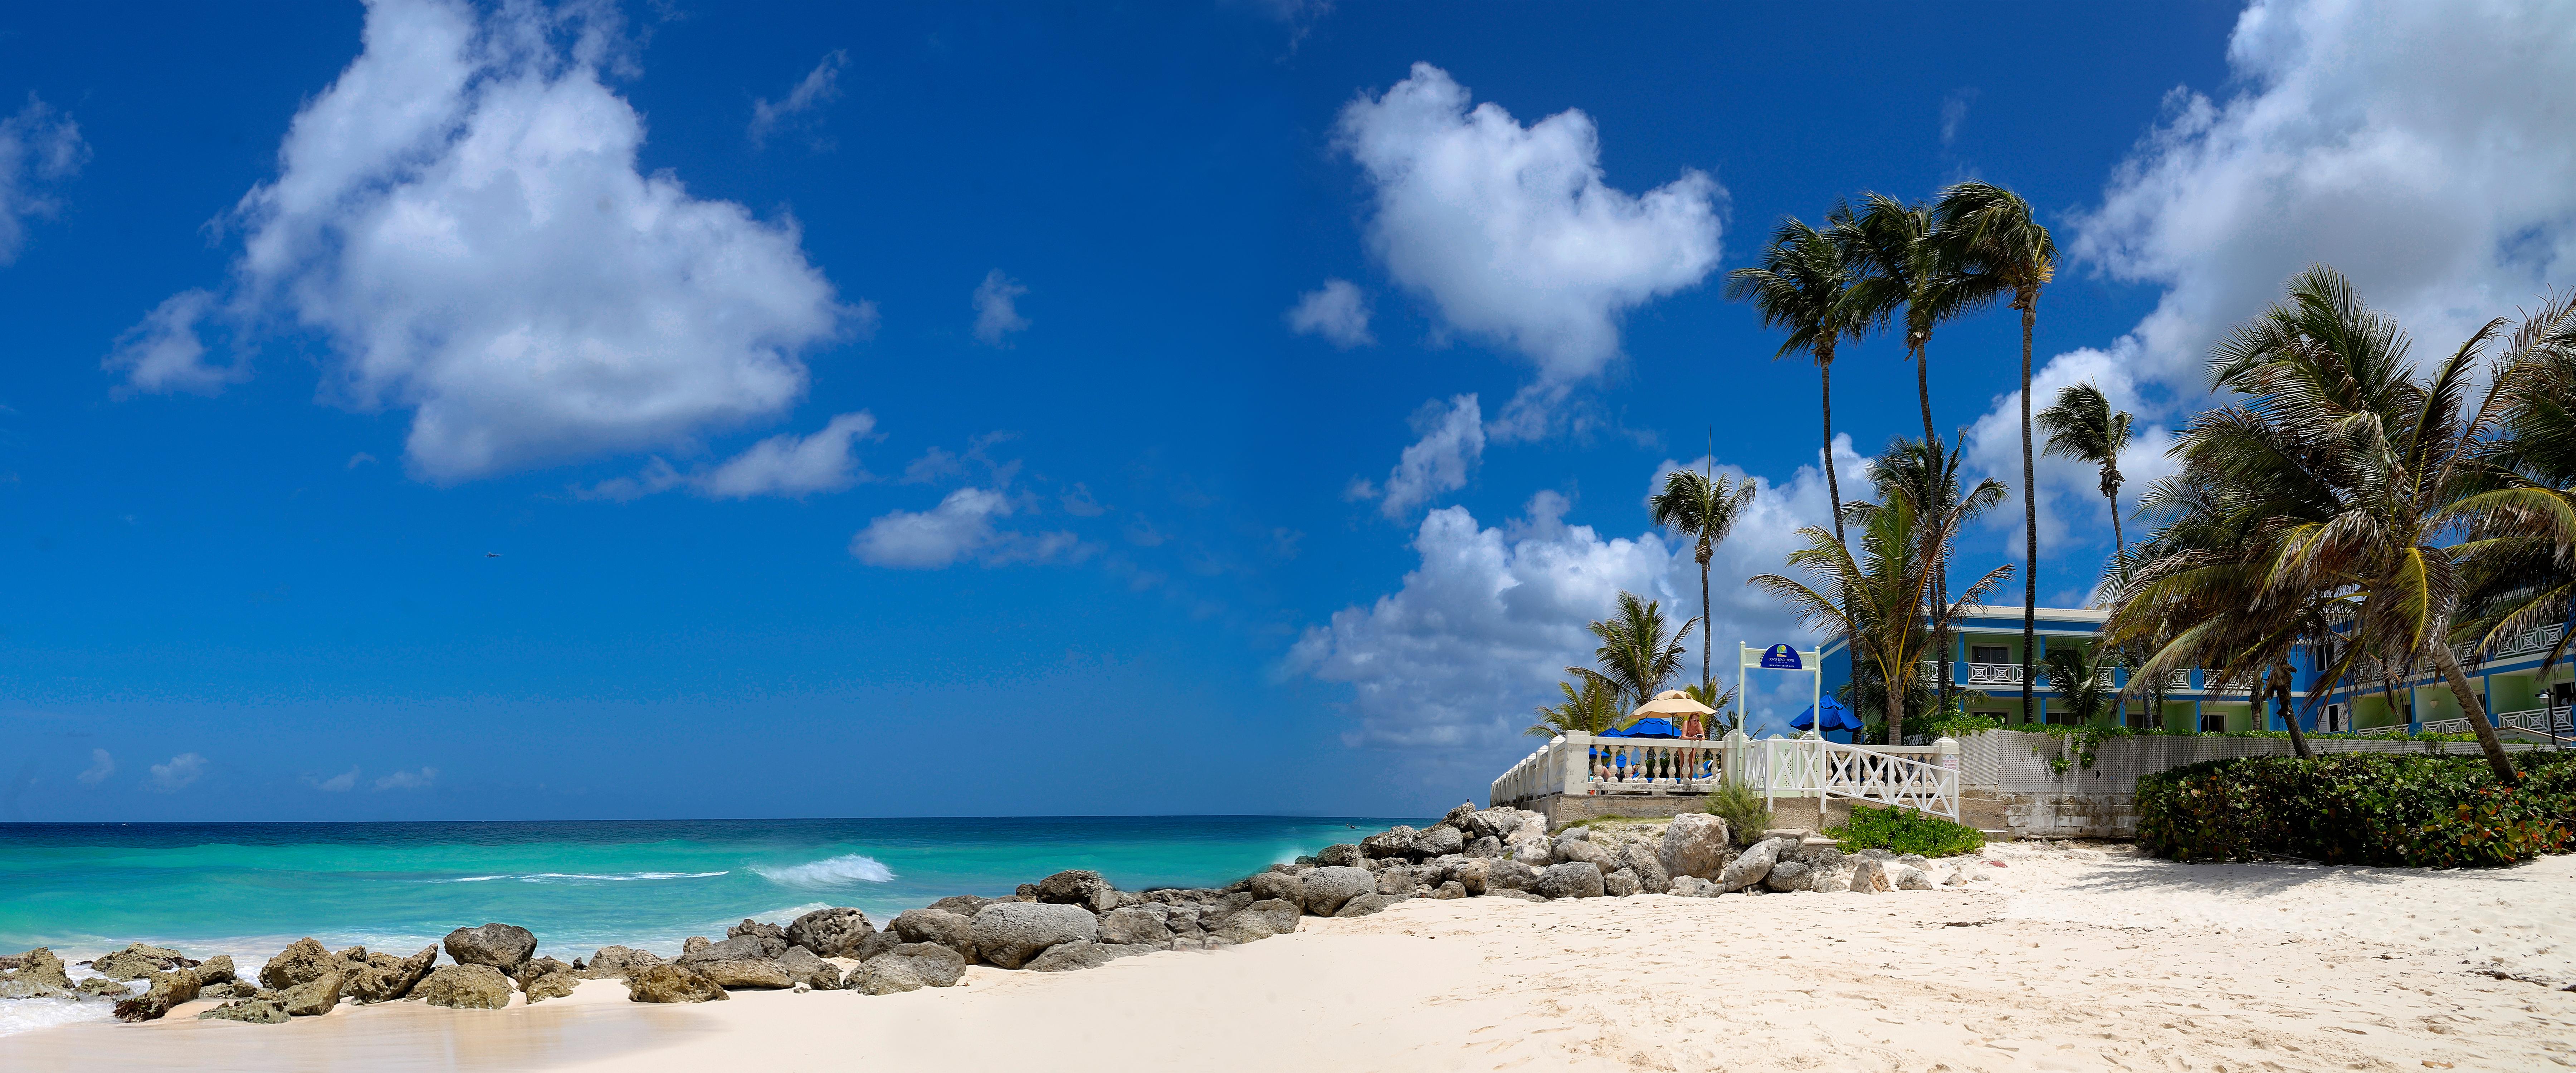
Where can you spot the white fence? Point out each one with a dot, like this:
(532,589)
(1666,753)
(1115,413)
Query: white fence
(1925,778)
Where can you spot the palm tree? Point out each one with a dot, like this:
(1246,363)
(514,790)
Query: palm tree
(1880,597)
(1997,244)
(2529,578)
(1704,506)
(1637,654)
(1900,259)
(2078,681)
(1800,286)
(1589,710)
(1719,699)
(2082,425)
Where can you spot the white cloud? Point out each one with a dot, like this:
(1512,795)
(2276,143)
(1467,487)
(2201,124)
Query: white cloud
(1482,629)
(1337,311)
(174,776)
(461,216)
(1510,231)
(163,352)
(959,528)
(1954,112)
(1452,440)
(101,765)
(420,779)
(782,465)
(820,86)
(39,149)
(336,784)
(2069,489)
(997,314)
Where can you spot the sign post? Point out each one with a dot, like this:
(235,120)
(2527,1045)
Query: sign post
(1784,658)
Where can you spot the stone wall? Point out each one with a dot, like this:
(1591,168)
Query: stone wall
(1562,809)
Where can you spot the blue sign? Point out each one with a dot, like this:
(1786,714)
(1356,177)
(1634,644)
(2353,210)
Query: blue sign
(1781,658)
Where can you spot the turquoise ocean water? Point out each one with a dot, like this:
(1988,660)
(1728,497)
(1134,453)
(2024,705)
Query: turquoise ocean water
(248,889)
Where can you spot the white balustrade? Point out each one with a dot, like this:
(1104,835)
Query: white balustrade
(2446,726)
(2558,721)
(1581,764)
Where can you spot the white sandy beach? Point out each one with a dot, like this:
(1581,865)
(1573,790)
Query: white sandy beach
(2071,958)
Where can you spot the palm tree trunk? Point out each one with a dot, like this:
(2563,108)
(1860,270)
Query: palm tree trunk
(1707,683)
(1833,483)
(2119,544)
(1923,387)
(2477,712)
(2282,686)
(1897,685)
(2030,509)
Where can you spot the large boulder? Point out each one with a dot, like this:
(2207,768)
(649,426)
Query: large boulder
(670,983)
(1620,884)
(1009,934)
(967,905)
(1076,956)
(617,963)
(1533,850)
(1749,867)
(498,946)
(1506,874)
(256,1011)
(1472,874)
(1581,851)
(1279,916)
(1487,846)
(102,987)
(1788,876)
(752,947)
(1327,889)
(1694,845)
(1137,925)
(1345,854)
(1438,841)
(927,964)
(1869,876)
(1573,879)
(1909,877)
(1367,904)
(1281,885)
(937,926)
(741,972)
(139,960)
(38,973)
(215,970)
(1078,886)
(805,967)
(1395,841)
(302,962)
(761,928)
(465,987)
(830,933)
(314,998)
(1693,887)
(169,989)
(1647,865)
(1397,879)
(885,974)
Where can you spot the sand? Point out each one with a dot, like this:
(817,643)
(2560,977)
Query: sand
(2068,958)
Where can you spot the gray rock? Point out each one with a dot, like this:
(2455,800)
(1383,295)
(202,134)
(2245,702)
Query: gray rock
(1827,880)
(1279,916)
(1533,850)
(1463,817)
(805,967)
(1367,904)
(558,982)
(1343,854)
(752,946)
(1008,935)
(1438,841)
(668,982)
(1909,877)
(1449,890)
(1573,879)
(1621,884)
(139,960)
(1280,885)
(1914,860)
(1694,845)
(314,998)
(1786,876)
(1869,875)
(692,945)
(967,905)
(1749,867)
(102,987)
(934,965)
(1078,886)
(947,929)
(760,928)
(617,963)
(881,942)
(1575,834)
(1502,875)
(885,975)
(215,970)
(830,933)
(1487,847)
(1876,854)
(465,987)
(1693,887)
(1137,926)
(1516,895)
(38,973)
(500,946)
(254,1011)
(168,990)
(1395,841)
(1326,890)
(302,962)
(1648,866)
(536,967)
(1580,851)
(741,972)
(1397,879)
(1079,955)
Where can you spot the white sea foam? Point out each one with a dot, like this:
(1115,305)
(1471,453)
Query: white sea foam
(29,1014)
(840,871)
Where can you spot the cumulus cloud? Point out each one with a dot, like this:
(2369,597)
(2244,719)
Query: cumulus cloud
(40,148)
(336,784)
(1482,629)
(783,465)
(174,776)
(2070,490)
(460,216)
(1510,231)
(417,779)
(960,528)
(1337,311)
(997,312)
(101,765)
(164,353)
(820,86)
(1452,440)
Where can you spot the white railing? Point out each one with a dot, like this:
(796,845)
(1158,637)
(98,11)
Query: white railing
(2447,726)
(1581,764)
(1796,766)
(2392,730)
(1993,674)
(2559,721)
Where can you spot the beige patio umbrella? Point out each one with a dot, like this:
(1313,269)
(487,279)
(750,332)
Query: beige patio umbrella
(1672,702)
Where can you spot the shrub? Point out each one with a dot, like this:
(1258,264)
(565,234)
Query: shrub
(2359,808)
(1742,809)
(1905,831)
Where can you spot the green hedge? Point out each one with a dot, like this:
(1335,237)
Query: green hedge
(1905,831)
(2359,808)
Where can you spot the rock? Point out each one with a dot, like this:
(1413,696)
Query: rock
(741,972)
(1573,879)
(499,946)
(1137,926)
(1786,876)
(1395,841)
(1693,887)
(1502,875)
(1816,856)
(1869,876)
(670,982)
(1342,854)
(885,975)
(1461,816)
(947,929)
(1575,834)
(465,987)
(1327,889)
(169,989)
(1876,854)
(617,963)
(1749,867)
(1074,956)
(809,969)
(760,928)
(747,947)
(1280,885)
(302,962)
(1517,895)
(36,974)
(1397,879)
(1694,845)
(1008,935)
(536,967)
(561,982)
(1909,877)
(102,987)
(1791,835)
(1621,884)
(138,960)
(1449,890)
(1487,847)
(1367,904)
(1280,917)
(692,945)
(1438,841)
(1533,850)
(1648,865)
(967,905)
(256,1011)
(1078,886)
(1580,850)
(1914,860)
(1824,880)
(215,970)
(314,998)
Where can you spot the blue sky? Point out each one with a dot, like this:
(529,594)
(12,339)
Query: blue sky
(446,411)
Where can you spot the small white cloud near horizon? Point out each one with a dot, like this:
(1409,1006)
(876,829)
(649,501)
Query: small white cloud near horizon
(40,148)
(820,86)
(997,312)
(960,528)
(175,776)
(1337,312)
(1511,232)
(1450,441)
(336,784)
(418,779)
(785,465)
(101,765)
(361,458)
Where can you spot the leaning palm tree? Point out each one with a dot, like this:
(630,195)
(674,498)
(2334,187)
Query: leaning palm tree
(1800,286)
(1880,596)
(2529,520)
(1703,506)
(1901,260)
(1639,650)
(1997,244)
(2082,425)
(1589,710)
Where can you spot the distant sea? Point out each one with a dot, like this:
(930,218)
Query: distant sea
(247,889)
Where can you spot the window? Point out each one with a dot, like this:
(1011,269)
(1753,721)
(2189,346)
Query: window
(2212,722)
(1989,654)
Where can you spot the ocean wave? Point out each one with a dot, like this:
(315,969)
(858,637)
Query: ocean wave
(584,877)
(838,871)
(29,1014)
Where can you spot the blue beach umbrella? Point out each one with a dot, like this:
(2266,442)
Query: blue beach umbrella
(1837,717)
